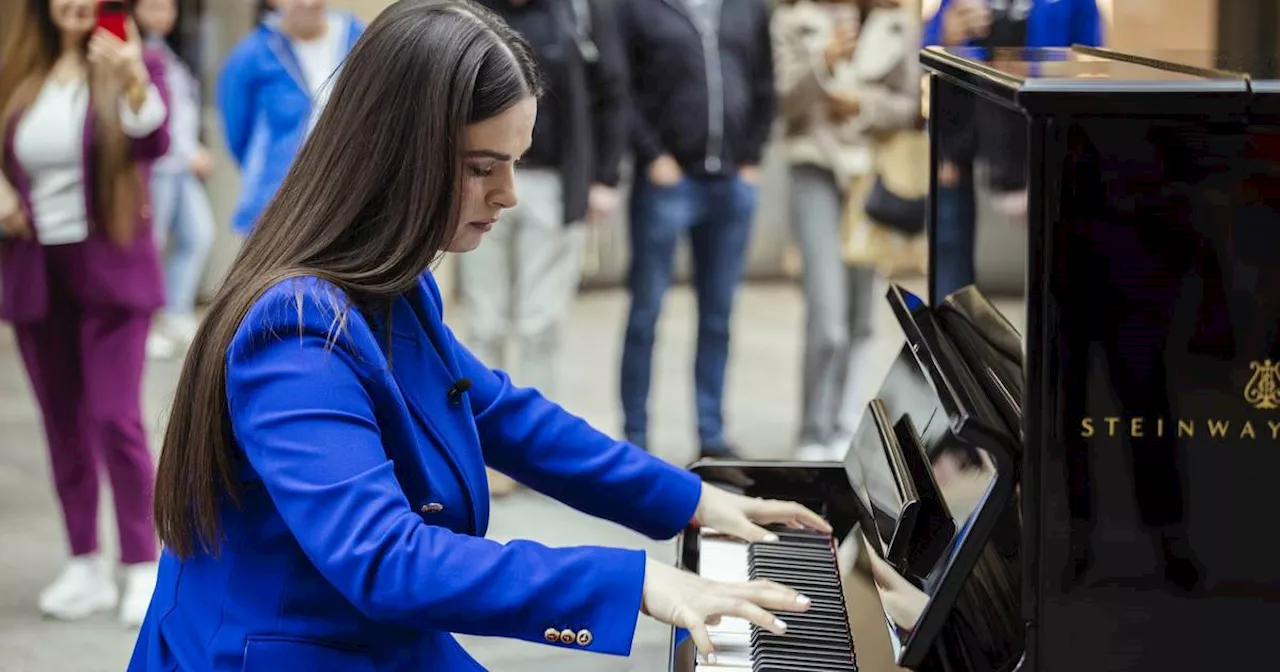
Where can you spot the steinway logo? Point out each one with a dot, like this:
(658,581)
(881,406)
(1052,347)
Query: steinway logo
(1262,392)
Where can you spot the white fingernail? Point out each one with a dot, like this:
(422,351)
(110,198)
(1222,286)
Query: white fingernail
(802,599)
(711,658)
(770,538)
(780,623)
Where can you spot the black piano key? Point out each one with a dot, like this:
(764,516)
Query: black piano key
(791,640)
(764,652)
(818,639)
(816,619)
(801,554)
(803,537)
(806,660)
(797,627)
(802,665)
(799,581)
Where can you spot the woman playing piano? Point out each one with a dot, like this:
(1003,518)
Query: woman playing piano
(321,491)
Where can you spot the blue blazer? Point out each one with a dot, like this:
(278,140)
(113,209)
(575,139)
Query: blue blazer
(1052,23)
(359,544)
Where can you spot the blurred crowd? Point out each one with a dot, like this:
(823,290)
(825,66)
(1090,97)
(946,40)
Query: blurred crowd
(107,225)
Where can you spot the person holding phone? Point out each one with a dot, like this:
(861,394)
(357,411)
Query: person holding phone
(270,89)
(971,128)
(321,493)
(83,115)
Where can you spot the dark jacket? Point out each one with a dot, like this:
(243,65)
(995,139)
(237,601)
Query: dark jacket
(709,103)
(589,98)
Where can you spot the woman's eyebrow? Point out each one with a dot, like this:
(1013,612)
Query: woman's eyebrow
(489,153)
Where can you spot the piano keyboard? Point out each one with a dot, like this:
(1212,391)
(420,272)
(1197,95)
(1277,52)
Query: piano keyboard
(817,640)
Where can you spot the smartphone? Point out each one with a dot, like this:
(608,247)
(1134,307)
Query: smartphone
(112,15)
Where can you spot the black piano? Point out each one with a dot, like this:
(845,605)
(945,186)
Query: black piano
(1087,492)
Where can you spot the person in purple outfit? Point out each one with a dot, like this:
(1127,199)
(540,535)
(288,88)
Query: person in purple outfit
(82,114)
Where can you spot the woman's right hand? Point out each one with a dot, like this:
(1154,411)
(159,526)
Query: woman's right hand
(686,600)
(16,226)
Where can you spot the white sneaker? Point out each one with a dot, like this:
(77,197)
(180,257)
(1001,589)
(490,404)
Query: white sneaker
(139,584)
(181,329)
(84,587)
(813,452)
(160,346)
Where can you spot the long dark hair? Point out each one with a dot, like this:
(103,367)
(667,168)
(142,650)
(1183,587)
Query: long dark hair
(368,205)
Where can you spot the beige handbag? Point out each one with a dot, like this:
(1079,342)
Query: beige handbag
(902,159)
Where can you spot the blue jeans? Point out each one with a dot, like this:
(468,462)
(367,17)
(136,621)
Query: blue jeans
(955,232)
(716,213)
(181,209)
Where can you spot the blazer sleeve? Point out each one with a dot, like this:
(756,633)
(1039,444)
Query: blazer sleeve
(764,99)
(304,416)
(237,102)
(542,445)
(155,144)
(609,95)
(646,144)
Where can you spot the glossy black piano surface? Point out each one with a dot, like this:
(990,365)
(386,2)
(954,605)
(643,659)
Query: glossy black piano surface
(929,478)
(1151,408)
(1131,434)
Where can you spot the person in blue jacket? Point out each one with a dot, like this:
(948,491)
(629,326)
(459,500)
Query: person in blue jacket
(970,128)
(269,89)
(321,491)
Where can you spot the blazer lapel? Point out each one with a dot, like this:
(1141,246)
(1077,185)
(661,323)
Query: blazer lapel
(425,369)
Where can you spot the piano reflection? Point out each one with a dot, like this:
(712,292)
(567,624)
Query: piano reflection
(1095,492)
(924,488)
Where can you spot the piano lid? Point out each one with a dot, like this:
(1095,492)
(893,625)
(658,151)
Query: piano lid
(1260,69)
(1087,80)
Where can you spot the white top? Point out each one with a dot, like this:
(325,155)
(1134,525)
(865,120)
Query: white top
(320,57)
(49,145)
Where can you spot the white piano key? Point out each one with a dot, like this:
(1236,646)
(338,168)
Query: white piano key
(726,560)
(730,626)
(722,560)
(733,657)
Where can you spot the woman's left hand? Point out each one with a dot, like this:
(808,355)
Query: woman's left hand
(742,516)
(120,59)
